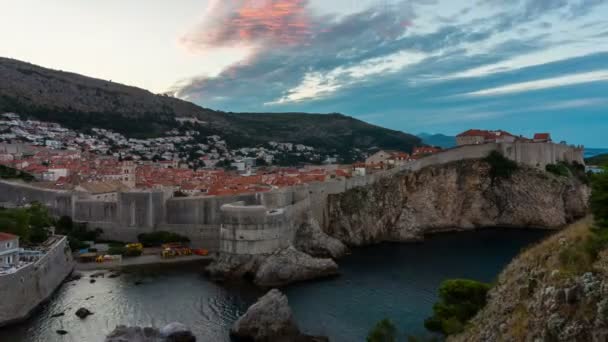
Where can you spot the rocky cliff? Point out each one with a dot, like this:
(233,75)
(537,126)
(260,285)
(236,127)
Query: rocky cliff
(454,196)
(540,298)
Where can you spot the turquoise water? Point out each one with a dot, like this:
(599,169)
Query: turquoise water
(396,281)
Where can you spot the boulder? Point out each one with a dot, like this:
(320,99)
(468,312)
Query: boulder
(228,266)
(269,320)
(177,332)
(83,313)
(173,332)
(312,240)
(134,334)
(289,265)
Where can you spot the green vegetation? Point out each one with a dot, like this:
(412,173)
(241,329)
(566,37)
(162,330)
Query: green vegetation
(459,301)
(500,166)
(579,257)
(559,169)
(76,232)
(121,249)
(30,224)
(384,331)
(11,173)
(156,239)
(599,160)
(563,169)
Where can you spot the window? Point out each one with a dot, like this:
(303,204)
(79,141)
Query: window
(8,245)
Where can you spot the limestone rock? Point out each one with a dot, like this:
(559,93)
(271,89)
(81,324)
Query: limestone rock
(290,265)
(270,319)
(564,308)
(312,240)
(134,334)
(283,267)
(228,266)
(177,332)
(455,196)
(173,332)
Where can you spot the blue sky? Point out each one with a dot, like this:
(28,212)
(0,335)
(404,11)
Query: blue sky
(439,66)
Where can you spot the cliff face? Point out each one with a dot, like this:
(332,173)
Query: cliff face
(455,196)
(537,298)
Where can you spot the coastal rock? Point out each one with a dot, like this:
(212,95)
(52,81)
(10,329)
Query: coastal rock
(177,332)
(173,332)
(270,319)
(456,196)
(83,313)
(312,240)
(134,334)
(283,267)
(568,307)
(228,266)
(290,265)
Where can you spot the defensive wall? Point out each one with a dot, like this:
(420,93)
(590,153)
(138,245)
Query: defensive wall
(252,223)
(23,291)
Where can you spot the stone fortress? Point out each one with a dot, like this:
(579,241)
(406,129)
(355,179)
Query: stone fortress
(249,224)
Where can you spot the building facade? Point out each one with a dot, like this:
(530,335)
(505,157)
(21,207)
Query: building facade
(9,250)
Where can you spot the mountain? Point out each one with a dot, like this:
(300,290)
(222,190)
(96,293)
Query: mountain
(81,102)
(443,141)
(598,160)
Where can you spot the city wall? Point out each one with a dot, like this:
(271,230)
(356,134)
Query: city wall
(23,291)
(253,223)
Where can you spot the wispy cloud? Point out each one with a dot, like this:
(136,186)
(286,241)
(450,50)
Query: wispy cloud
(594,76)
(246,22)
(317,84)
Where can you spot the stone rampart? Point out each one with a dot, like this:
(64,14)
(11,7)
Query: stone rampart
(200,218)
(23,291)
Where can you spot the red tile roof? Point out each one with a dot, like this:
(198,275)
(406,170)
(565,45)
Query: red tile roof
(7,237)
(542,136)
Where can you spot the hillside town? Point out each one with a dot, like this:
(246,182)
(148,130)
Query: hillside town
(104,163)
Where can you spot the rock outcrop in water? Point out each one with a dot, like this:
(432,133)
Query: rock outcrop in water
(281,268)
(290,265)
(537,299)
(270,320)
(456,196)
(173,332)
(311,239)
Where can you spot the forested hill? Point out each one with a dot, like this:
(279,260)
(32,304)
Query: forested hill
(81,102)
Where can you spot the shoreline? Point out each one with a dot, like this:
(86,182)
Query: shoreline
(143,260)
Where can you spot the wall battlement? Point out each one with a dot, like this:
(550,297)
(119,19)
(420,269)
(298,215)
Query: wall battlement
(250,223)
(23,291)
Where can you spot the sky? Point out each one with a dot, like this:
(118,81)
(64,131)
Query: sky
(437,66)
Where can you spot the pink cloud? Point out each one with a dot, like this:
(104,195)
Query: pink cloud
(250,22)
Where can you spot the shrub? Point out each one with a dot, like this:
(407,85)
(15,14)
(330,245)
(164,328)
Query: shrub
(500,166)
(117,250)
(599,198)
(459,301)
(384,331)
(558,169)
(158,238)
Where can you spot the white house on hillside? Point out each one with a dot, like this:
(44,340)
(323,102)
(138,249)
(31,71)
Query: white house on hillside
(9,250)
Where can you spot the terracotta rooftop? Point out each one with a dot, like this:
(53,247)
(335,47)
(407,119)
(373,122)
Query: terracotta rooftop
(7,237)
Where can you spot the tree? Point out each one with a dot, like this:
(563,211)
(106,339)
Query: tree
(384,331)
(500,166)
(599,198)
(459,301)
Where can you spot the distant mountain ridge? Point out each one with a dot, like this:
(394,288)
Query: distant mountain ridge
(441,140)
(82,102)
